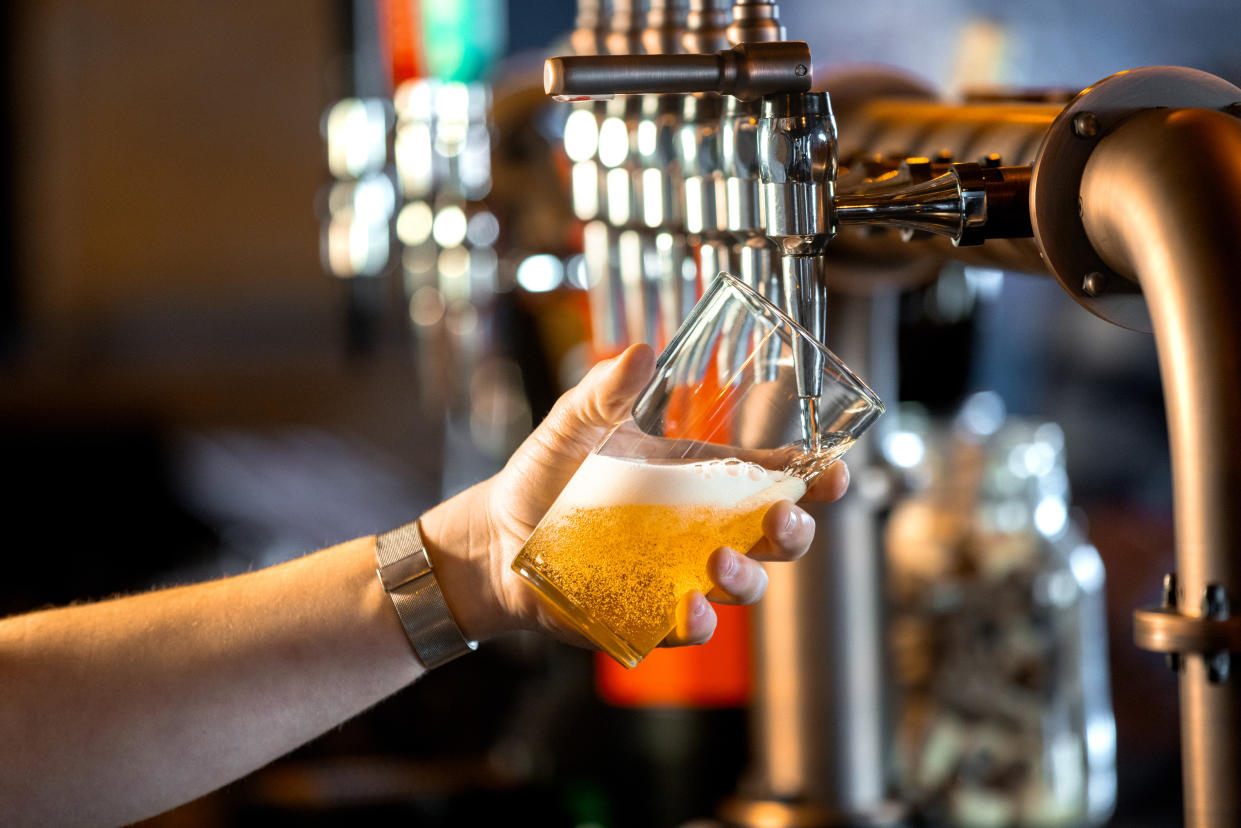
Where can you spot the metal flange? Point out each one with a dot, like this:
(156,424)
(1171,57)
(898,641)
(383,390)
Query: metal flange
(1056,184)
(1164,630)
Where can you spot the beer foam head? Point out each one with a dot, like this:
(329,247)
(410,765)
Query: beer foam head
(614,481)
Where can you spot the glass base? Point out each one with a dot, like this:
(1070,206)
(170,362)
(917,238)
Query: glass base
(600,636)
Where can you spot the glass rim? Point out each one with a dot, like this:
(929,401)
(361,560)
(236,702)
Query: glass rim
(767,306)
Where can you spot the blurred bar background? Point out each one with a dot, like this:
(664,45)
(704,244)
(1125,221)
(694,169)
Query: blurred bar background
(225,344)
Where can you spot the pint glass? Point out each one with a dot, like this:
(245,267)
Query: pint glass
(715,438)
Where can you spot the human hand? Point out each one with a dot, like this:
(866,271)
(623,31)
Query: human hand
(474,537)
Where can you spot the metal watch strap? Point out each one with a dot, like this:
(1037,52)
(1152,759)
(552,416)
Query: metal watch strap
(406,574)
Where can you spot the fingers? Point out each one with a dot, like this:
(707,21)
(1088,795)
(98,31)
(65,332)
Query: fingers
(607,391)
(831,485)
(580,419)
(787,532)
(737,579)
(695,621)
(740,579)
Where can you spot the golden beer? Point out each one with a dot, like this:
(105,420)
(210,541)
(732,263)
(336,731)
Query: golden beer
(627,539)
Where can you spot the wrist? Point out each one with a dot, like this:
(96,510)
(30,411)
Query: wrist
(457,545)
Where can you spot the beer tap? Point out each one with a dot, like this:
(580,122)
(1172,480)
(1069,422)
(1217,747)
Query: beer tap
(797,174)
(754,21)
(795,156)
(588,187)
(706,26)
(699,145)
(700,159)
(672,288)
(618,151)
(754,253)
(737,192)
(797,168)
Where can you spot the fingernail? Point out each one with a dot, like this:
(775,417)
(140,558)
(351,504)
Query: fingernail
(700,606)
(731,561)
(610,365)
(797,519)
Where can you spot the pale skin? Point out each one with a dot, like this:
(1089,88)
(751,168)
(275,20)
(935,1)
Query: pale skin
(115,711)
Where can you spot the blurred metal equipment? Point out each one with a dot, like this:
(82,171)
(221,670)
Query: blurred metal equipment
(1130,196)
(819,736)
(413,161)
(999,626)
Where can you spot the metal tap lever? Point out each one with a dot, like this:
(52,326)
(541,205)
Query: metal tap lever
(747,71)
(969,204)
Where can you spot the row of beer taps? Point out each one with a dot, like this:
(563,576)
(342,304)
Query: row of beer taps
(698,146)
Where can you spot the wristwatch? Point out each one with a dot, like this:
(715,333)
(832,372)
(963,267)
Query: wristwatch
(406,574)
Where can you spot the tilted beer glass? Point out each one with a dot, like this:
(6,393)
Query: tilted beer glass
(715,438)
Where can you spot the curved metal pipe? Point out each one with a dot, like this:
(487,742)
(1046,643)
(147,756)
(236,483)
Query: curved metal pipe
(1161,204)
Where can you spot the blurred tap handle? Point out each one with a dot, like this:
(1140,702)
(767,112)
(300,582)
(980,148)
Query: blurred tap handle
(747,71)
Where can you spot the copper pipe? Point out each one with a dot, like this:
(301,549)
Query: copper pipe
(1161,203)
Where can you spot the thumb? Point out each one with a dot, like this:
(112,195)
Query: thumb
(604,396)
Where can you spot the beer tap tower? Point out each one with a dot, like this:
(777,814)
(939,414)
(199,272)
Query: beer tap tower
(1131,195)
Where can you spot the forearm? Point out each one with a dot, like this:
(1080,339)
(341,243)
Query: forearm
(119,710)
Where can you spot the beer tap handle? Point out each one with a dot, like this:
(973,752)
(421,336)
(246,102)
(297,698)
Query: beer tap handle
(747,71)
(969,204)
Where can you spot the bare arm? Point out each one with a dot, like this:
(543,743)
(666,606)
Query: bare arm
(116,711)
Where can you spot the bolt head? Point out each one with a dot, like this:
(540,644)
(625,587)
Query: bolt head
(800,70)
(1219,666)
(1215,602)
(1169,591)
(1094,283)
(1085,125)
